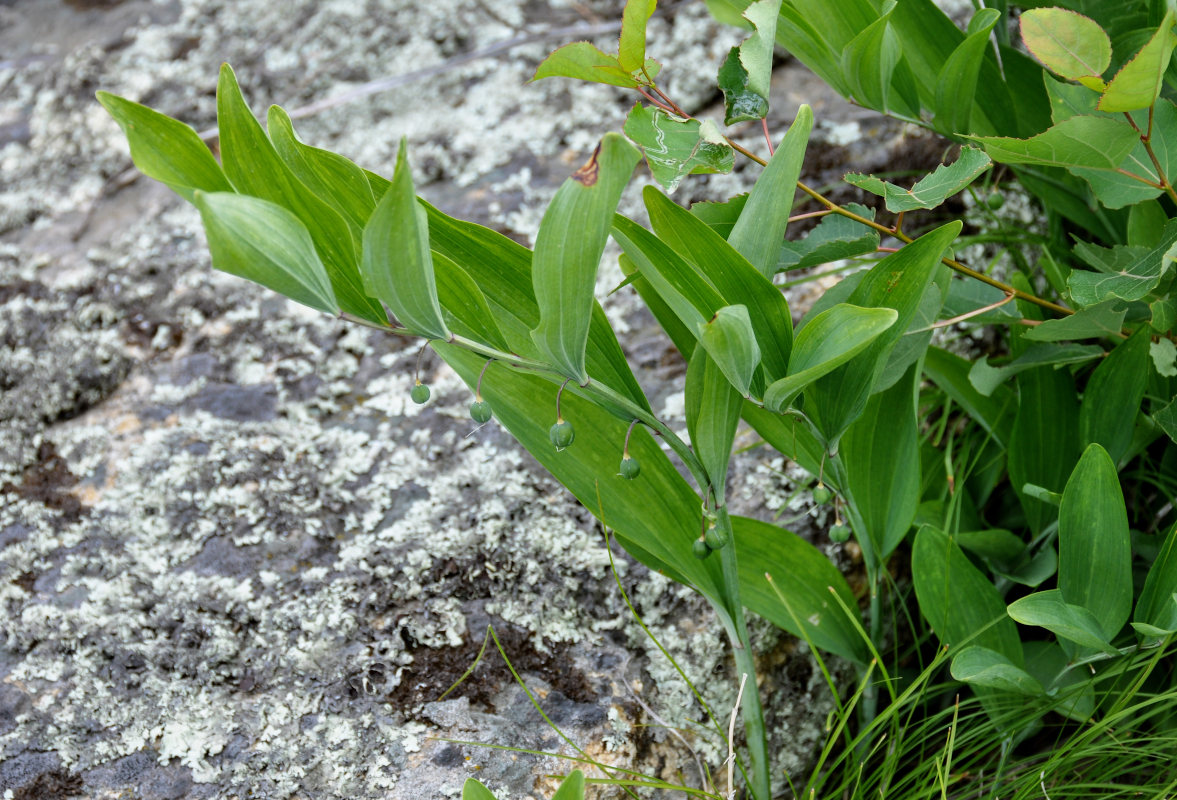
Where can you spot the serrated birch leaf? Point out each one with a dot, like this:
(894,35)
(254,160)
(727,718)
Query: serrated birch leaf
(827,341)
(1067,43)
(263,242)
(740,102)
(1087,142)
(631,51)
(756,51)
(584,61)
(1071,622)
(729,339)
(985,377)
(931,190)
(760,230)
(675,148)
(1094,547)
(397,263)
(1093,322)
(254,167)
(1138,83)
(835,238)
(166,149)
(568,251)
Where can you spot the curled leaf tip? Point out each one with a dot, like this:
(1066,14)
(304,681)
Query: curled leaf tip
(587,174)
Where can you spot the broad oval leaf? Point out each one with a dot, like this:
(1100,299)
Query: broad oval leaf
(1095,551)
(568,250)
(826,342)
(981,666)
(1071,622)
(263,242)
(1067,43)
(1138,83)
(397,263)
(1089,142)
(584,61)
(166,149)
(729,339)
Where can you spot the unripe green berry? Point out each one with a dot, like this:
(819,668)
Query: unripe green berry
(561,434)
(822,494)
(630,468)
(995,200)
(419,393)
(840,533)
(701,549)
(480,411)
(715,538)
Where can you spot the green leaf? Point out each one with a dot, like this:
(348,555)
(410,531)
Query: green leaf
(760,230)
(572,787)
(463,305)
(397,264)
(165,149)
(473,790)
(1034,571)
(1042,444)
(713,412)
(880,453)
(1164,314)
(931,190)
(997,545)
(1071,622)
(1138,83)
(898,281)
(586,62)
(1095,552)
(869,60)
(956,87)
(1068,44)
(1090,142)
(729,339)
(1072,693)
(827,341)
(994,411)
(835,238)
(631,51)
(265,243)
(957,599)
(741,103)
(730,273)
(720,216)
(1157,606)
(1166,417)
(675,148)
(986,378)
(254,168)
(1164,357)
(1113,396)
(756,51)
(980,666)
(1098,321)
(568,251)
(808,583)
(1146,220)
(1124,272)
(339,182)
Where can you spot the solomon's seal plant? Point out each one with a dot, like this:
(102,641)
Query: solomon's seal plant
(1027,490)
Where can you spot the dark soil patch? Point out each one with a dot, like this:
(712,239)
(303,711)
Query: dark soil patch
(48,481)
(56,785)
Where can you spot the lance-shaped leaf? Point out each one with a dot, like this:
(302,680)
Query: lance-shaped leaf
(809,592)
(1088,142)
(994,412)
(1042,444)
(956,88)
(760,229)
(986,378)
(1095,552)
(675,148)
(1094,322)
(835,238)
(1070,45)
(1069,621)
(729,339)
(166,149)
(827,341)
(1113,394)
(899,281)
(942,575)
(631,52)
(981,666)
(265,243)
(1138,83)
(572,787)
(869,60)
(713,412)
(463,305)
(339,182)
(474,790)
(730,273)
(1157,606)
(931,190)
(254,167)
(568,251)
(397,264)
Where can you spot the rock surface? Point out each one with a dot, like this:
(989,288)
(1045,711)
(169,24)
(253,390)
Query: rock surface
(235,560)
